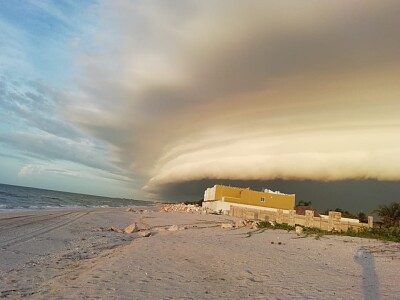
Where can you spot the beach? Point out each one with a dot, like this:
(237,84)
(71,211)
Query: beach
(74,254)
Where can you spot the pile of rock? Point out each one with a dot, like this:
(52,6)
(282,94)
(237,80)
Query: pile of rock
(240,224)
(188,208)
(132,228)
(130,209)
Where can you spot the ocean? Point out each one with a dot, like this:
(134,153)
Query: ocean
(25,198)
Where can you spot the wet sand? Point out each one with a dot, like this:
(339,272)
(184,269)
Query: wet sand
(63,255)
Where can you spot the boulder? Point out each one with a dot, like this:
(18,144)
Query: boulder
(254,225)
(145,233)
(160,229)
(173,228)
(299,230)
(131,228)
(227,226)
(239,224)
(116,229)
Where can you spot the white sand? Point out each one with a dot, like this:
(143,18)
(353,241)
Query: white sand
(58,255)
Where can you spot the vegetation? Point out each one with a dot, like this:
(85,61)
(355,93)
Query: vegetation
(386,234)
(362,217)
(304,203)
(389,214)
(345,213)
(199,203)
(269,225)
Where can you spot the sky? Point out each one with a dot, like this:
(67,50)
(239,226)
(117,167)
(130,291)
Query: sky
(159,100)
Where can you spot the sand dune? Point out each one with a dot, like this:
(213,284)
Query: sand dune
(65,255)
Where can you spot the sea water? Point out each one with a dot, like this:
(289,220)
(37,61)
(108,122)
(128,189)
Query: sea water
(26,198)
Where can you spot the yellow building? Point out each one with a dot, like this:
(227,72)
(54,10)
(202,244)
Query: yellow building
(220,196)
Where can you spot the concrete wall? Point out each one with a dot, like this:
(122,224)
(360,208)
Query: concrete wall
(225,206)
(333,222)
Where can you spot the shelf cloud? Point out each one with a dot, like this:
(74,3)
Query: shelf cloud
(244,91)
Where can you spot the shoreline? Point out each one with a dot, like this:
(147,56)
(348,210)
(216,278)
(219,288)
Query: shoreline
(21,210)
(63,255)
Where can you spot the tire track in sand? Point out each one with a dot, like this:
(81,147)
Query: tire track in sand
(45,228)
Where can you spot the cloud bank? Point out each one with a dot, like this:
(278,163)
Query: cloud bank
(246,91)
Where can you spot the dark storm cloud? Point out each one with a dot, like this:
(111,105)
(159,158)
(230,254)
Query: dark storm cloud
(351,195)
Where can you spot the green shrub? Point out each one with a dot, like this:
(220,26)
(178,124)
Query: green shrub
(266,224)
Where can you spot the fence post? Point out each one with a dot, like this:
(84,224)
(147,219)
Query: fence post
(292,214)
(370,221)
(334,219)
(309,215)
(279,215)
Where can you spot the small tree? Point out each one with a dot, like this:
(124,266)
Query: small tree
(389,214)
(303,203)
(362,217)
(345,213)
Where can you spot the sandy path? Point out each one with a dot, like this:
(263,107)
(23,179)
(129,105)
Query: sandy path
(207,262)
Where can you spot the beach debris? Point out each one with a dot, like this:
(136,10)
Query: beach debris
(173,228)
(299,230)
(183,227)
(188,208)
(131,228)
(145,233)
(130,209)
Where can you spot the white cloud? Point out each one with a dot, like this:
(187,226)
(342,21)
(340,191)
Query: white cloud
(29,170)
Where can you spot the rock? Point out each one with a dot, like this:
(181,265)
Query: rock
(130,209)
(249,224)
(254,225)
(173,228)
(116,229)
(227,226)
(182,227)
(299,230)
(240,224)
(161,229)
(131,228)
(145,233)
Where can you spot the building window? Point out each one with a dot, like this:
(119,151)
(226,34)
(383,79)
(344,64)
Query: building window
(262,199)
